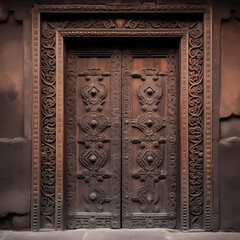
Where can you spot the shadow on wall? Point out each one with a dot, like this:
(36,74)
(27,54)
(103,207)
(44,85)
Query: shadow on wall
(230,126)
(14,165)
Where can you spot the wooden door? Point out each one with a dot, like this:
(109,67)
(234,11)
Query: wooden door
(121,138)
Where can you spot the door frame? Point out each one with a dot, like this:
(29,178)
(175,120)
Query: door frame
(195,102)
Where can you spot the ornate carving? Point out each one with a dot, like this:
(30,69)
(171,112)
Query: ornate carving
(113,23)
(208,118)
(172,148)
(136,8)
(36,132)
(70,134)
(93,158)
(47,123)
(48,127)
(93,124)
(149,158)
(94,92)
(156,24)
(90,221)
(196,127)
(129,33)
(126,137)
(87,23)
(149,93)
(115,140)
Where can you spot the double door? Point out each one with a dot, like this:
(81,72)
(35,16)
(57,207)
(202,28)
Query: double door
(121,137)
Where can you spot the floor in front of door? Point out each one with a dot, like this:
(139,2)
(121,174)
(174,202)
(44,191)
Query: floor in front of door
(120,234)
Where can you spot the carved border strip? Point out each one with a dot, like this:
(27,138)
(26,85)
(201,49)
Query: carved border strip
(48,127)
(126,182)
(121,33)
(207,98)
(122,9)
(195,131)
(184,132)
(59,131)
(35,122)
(208,117)
(71,127)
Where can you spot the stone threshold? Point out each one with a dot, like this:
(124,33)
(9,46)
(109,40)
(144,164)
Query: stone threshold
(120,234)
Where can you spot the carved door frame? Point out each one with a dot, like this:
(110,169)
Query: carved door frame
(195,40)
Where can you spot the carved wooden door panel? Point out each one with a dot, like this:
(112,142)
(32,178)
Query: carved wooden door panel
(93,139)
(149,135)
(121,138)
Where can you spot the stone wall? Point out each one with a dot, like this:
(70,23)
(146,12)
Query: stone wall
(230,124)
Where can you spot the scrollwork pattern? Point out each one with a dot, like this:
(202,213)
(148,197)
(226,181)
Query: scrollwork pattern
(196,127)
(48,127)
(113,23)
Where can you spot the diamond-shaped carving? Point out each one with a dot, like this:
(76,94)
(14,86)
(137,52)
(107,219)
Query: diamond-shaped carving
(93,159)
(93,123)
(149,91)
(149,159)
(93,92)
(150,122)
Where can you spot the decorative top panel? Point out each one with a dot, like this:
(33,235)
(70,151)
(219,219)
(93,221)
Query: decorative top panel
(107,22)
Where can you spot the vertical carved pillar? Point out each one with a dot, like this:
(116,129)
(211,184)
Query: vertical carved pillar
(70,142)
(48,128)
(195,123)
